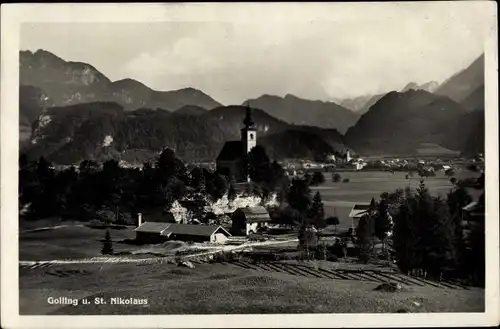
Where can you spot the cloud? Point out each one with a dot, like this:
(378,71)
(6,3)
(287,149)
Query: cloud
(345,52)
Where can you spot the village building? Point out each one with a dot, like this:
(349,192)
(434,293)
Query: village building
(473,215)
(249,220)
(155,232)
(358,210)
(231,160)
(344,157)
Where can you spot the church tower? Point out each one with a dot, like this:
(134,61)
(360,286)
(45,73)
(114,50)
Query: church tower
(248,133)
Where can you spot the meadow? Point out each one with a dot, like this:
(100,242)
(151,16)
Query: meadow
(223,289)
(339,198)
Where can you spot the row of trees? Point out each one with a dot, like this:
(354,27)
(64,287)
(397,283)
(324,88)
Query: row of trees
(426,232)
(102,189)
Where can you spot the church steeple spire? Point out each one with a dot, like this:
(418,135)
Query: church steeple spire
(248,122)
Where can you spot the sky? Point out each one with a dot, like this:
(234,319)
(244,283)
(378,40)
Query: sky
(325,53)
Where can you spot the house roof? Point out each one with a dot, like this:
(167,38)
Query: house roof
(359,210)
(195,230)
(255,214)
(231,150)
(474,208)
(152,227)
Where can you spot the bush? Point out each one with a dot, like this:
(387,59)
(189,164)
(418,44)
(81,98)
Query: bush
(332,220)
(336,178)
(346,180)
(473,168)
(321,252)
(317,178)
(332,258)
(126,218)
(224,257)
(106,216)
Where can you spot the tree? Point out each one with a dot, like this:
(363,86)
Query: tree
(383,223)
(106,216)
(169,166)
(299,196)
(217,186)
(473,168)
(287,216)
(333,220)
(364,238)
(88,167)
(456,200)
(449,172)
(197,179)
(317,178)
(107,246)
(316,213)
(403,241)
(259,165)
(308,239)
(475,252)
(231,193)
(111,183)
(423,235)
(175,190)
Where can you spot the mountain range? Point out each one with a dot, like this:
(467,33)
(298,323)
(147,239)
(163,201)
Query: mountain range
(103,130)
(461,85)
(70,111)
(295,110)
(452,116)
(69,83)
(362,104)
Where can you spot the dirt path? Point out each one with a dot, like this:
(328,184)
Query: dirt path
(110,260)
(46,228)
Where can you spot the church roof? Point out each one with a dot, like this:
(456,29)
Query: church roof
(231,150)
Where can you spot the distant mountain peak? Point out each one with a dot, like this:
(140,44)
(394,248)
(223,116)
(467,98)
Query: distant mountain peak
(459,86)
(68,83)
(428,86)
(410,86)
(296,110)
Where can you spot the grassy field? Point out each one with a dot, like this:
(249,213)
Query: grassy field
(70,242)
(339,198)
(223,288)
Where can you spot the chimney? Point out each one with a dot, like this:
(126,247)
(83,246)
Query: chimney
(139,219)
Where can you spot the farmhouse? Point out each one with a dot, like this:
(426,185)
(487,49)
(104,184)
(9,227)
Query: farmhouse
(249,220)
(154,232)
(231,160)
(472,216)
(358,211)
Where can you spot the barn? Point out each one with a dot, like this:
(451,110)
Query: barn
(249,220)
(150,232)
(196,233)
(358,211)
(154,232)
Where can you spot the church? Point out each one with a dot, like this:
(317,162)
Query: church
(231,160)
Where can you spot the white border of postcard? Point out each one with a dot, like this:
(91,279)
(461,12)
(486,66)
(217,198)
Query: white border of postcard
(14,14)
